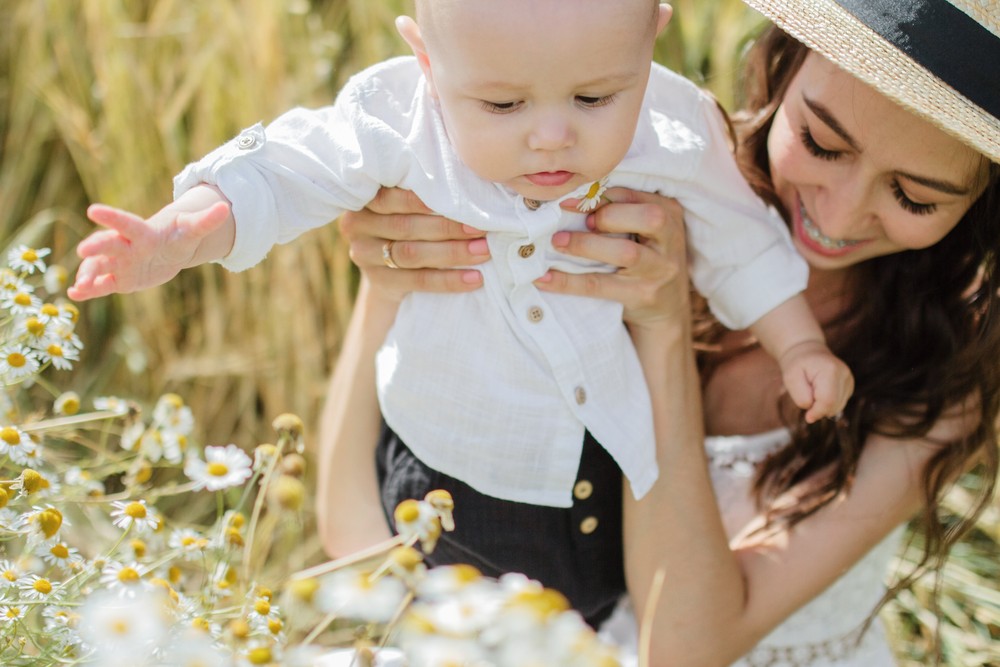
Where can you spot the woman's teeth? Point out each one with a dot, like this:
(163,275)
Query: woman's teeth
(819,237)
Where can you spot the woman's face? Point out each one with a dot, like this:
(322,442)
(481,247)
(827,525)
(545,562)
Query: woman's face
(860,176)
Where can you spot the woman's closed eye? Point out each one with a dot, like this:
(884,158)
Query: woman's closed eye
(908,204)
(814,148)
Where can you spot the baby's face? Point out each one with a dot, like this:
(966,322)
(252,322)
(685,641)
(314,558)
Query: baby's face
(541,95)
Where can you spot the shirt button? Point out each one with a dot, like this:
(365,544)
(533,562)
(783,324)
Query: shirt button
(246,141)
(535,314)
(588,525)
(526,251)
(532,204)
(583,489)
(581,395)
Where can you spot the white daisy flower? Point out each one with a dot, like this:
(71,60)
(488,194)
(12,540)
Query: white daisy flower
(125,579)
(13,438)
(56,278)
(261,613)
(17,362)
(33,329)
(189,542)
(10,614)
(46,522)
(20,302)
(52,314)
(28,260)
(10,574)
(194,649)
(61,555)
(171,414)
(592,198)
(418,519)
(223,467)
(67,404)
(59,356)
(120,629)
(10,281)
(134,513)
(111,404)
(34,587)
(175,445)
(61,623)
(353,594)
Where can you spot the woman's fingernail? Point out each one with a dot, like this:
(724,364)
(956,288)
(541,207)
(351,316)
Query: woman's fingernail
(546,278)
(471,231)
(479,247)
(560,239)
(472,277)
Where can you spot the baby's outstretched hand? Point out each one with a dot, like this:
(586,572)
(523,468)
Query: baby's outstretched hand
(817,381)
(133,253)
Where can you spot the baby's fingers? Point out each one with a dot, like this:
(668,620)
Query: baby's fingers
(94,279)
(125,223)
(202,223)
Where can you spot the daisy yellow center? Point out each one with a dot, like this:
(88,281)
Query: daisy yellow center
(10,435)
(595,187)
(259,656)
(275,625)
(10,575)
(22,299)
(217,469)
(29,255)
(59,551)
(201,623)
(13,612)
(407,511)
(139,548)
(262,607)
(174,574)
(35,326)
(128,575)
(50,310)
(54,350)
(187,541)
(43,586)
(70,407)
(16,359)
(119,627)
(136,510)
(31,481)
(74,312)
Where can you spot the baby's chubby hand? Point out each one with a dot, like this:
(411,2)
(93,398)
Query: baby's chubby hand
(133,253)
(817,381)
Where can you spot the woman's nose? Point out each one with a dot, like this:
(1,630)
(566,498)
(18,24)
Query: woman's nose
(844,209)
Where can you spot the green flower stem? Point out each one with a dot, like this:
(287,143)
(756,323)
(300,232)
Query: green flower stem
(258,506)
(357,557)
(320,627)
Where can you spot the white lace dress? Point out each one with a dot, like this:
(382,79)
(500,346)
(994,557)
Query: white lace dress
(824,633)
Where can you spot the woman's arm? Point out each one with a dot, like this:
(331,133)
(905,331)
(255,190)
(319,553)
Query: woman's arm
(349,512)
(719,597)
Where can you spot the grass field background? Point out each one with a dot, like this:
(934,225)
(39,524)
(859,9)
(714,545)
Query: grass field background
(105,100)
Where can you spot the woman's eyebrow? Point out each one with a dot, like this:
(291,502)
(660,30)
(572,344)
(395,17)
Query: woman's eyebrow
(824,115)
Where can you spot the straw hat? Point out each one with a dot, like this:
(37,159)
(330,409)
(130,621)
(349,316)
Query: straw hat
(938,58)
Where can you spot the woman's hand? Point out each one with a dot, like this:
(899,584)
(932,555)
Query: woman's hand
(426,248)
(651,280)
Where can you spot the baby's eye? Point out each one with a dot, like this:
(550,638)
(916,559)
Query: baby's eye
(594,102)
(500,107)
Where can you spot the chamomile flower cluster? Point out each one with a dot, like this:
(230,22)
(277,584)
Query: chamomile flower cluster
(125,541)
(38,324)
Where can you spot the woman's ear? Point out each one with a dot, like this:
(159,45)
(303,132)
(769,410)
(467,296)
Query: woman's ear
(410,31)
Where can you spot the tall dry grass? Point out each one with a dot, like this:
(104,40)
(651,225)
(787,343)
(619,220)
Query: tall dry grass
(105,100)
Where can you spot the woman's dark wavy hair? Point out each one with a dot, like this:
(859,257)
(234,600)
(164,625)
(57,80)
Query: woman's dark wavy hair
(922,338)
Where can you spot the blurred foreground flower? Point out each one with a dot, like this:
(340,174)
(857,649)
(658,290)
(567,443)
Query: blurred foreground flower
(123,541)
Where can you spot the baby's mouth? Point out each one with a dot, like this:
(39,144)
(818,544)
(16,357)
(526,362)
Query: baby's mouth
(814,233)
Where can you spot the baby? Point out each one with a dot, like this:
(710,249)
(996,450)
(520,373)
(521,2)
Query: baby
(527,406)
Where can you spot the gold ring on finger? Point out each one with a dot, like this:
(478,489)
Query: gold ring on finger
(387,254)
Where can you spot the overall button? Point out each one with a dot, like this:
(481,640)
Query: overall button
(583,489)
(588,525)
(532,204)
(581,395)
(535,314)
(246,141)
(526,251)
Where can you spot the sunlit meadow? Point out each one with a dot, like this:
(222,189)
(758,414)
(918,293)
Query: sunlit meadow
(104,100)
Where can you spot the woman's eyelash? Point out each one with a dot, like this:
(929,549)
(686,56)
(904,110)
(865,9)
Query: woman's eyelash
(500,107)
(910,205)
(814,148)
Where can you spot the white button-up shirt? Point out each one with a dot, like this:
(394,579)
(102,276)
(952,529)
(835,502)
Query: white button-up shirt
(495,387)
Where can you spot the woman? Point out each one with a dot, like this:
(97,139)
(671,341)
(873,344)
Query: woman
(892,198)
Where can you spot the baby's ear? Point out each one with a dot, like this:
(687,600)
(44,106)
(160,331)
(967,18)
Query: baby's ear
(410,32)
(666,11)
